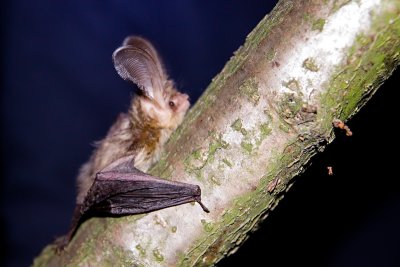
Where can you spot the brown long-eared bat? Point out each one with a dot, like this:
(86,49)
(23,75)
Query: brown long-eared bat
(113,182)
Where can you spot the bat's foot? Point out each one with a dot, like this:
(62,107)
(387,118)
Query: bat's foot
(198,200)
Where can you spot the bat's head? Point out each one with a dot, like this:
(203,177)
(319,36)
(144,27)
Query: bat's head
(159,100)
(165,110)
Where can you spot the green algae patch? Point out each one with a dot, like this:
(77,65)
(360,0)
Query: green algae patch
(214,180)
(207,226)
(217,143)
(252,138)
(157,255)
(265,130)
(227,162)
(338,4)
(199,158)
(250,89)
(271,55)
(318,25)
(247,147)
(238,126)
(284,127)
(292,84)
(141,250)
(310,64)
(289,105)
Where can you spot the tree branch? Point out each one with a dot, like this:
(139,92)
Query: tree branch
(256,127)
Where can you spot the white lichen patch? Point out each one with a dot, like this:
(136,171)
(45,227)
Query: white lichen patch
(311,62)
(232,137)
(250,120)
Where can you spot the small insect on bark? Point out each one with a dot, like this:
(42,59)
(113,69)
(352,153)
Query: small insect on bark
(113,182)
(341,125)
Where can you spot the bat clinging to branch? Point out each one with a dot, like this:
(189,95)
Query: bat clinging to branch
(113,182)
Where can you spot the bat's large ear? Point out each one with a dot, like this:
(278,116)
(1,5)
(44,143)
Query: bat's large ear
(144,44)
(137,61)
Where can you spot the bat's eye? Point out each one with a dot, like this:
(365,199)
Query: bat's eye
(171,104)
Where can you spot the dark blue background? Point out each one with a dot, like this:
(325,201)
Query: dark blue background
(60,93)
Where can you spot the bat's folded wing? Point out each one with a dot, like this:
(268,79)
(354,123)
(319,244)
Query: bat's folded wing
(144,197)
(121,189)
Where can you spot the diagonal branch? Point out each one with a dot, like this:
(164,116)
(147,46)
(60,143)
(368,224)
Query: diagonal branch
(256,127)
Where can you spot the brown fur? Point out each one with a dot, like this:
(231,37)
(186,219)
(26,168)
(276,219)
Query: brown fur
(142,132)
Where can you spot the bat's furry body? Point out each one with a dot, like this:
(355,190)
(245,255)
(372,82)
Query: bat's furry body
(138,133)
(113,181)
(150,120)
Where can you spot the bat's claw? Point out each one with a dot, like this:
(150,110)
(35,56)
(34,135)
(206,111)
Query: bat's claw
(198,200)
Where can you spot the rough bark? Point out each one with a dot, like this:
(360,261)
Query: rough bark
(256,127)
